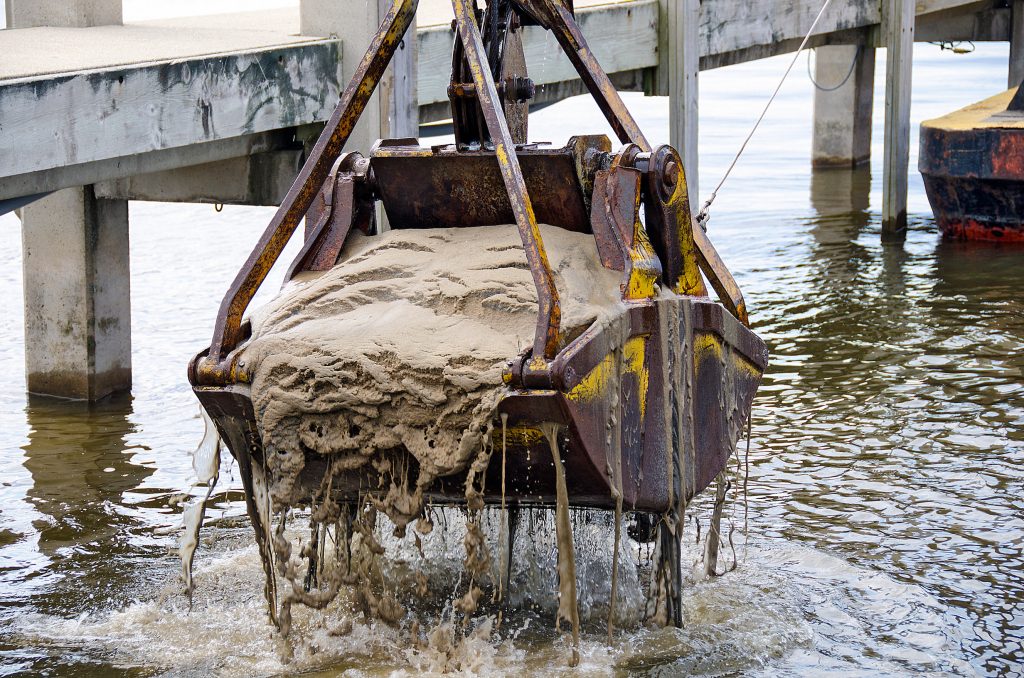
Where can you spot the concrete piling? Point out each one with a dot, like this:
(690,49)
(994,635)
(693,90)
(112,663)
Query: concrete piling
(844,78)
(75,257)
(77,295)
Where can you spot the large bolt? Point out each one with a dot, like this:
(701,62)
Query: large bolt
(671,175)
(518,88)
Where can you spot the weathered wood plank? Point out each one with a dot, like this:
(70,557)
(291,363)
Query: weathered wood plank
(1016,66)
(56,178)
(683,21)
(729,26)
(400,101)
(258,179)
(86,117)
(898,29)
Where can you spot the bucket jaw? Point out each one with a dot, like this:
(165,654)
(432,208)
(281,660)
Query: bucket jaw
(648,402)
(670,374)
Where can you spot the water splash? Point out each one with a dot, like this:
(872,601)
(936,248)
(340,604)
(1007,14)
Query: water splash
(206,464)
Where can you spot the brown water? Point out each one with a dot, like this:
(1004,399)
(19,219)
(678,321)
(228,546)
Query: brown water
(886,520)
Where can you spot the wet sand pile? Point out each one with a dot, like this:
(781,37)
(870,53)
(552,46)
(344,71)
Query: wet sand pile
(400,349)
(390,366)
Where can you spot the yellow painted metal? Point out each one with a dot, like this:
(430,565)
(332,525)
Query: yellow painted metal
(606,375)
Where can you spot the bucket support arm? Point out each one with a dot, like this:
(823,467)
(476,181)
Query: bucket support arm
(227,333)
(217,367)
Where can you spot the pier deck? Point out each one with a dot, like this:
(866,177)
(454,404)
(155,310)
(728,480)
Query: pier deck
(223,108)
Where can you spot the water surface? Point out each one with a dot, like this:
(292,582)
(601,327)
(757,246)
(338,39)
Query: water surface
(886,523)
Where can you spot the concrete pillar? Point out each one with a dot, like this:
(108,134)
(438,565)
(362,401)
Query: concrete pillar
(1016,71)
(844,79)
(77,295)
(393,111)
(75,13)
(75,257)
(681,46)
(898,32)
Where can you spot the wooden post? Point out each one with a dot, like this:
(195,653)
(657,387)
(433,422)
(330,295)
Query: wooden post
(898,29)
(680,51)
(1016,74)
(400,110)
(844,79)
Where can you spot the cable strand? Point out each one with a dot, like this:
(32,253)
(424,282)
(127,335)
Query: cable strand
(702,216)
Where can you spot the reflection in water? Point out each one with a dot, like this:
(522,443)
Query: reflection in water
(81,467)
(78,462)
(84,553)
(887,518)
(895,429)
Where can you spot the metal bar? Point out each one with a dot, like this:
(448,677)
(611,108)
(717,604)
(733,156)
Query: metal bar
(546,337)
(569,36)
(720,277)
(227,331)
(562,23)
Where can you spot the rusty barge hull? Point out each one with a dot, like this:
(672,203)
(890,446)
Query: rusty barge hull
(972,163)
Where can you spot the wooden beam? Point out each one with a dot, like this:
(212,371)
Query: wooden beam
(260,179)
(729,26)
(898,29)
(47,180)
(86,117)
(1016,70)
(683,21)
(983,22)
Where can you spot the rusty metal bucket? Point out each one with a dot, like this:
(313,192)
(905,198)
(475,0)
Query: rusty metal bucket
(673,376)
(650,405)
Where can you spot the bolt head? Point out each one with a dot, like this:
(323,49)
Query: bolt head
(671,175)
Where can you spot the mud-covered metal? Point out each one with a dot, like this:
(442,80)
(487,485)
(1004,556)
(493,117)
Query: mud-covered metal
(650,401)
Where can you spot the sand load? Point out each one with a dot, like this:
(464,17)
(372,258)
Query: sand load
(589,352)
(400,348)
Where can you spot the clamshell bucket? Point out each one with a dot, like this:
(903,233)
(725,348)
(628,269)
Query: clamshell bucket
(648,405)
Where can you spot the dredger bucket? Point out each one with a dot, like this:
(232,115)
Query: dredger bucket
(647,406)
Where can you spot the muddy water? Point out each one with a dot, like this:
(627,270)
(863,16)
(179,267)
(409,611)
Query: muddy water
(885,515)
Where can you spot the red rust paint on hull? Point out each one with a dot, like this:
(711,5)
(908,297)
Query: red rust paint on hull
(970,229)
(972,162)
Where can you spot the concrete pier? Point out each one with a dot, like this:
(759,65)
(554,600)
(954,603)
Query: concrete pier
(844,79)
(223,108)
(78,341)
(78,320)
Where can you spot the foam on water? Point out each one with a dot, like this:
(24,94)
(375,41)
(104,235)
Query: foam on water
(786,608)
